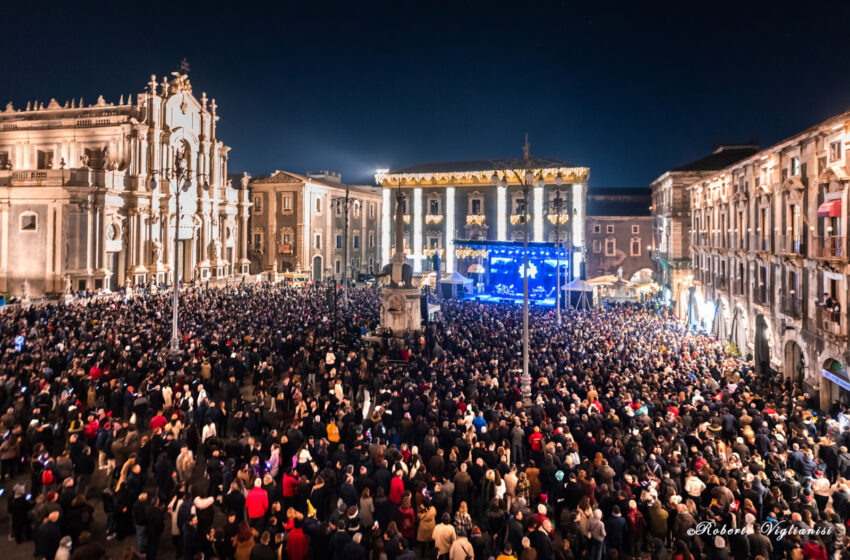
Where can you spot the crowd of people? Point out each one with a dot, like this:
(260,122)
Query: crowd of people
(280,432)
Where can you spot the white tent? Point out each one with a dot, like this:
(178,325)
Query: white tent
(580,294)
(454,280)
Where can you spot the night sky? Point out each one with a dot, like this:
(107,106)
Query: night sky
(629,89)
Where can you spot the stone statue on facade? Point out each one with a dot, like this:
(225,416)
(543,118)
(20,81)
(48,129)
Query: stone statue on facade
(67,290)
(25,290)
(157,250)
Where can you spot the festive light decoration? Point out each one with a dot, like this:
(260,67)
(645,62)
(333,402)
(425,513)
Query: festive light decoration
(432,252)
(469,253)
(433,219)
(475,219)
(517,218)
(555,218)
(407,218)
(482,177)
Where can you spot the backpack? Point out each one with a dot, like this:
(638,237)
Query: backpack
(47,477)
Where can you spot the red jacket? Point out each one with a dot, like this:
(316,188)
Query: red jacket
(158,421)
(536,441)
(396,490)
(296,545)
(257,502)
(290,485)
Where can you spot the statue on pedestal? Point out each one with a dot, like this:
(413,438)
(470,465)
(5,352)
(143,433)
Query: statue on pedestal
(400,312)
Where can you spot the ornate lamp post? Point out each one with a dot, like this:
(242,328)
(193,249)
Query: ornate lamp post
(180,179)
(526,181)
(558,207)
(344,203)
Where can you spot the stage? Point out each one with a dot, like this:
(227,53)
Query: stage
(496,269)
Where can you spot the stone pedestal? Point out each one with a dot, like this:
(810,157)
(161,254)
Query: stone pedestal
(400,310)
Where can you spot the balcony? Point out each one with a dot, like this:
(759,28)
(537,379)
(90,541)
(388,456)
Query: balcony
(829,247)
(830,321)
(792,245)
(791,306)
(760,242)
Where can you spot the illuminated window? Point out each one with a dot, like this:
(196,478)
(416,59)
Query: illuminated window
(795,165)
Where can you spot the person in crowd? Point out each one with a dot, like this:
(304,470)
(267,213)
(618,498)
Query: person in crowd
(278,429)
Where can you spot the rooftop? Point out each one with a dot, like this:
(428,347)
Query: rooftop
(481,165)
(619,201)
(722,157)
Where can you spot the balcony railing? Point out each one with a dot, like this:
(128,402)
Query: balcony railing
(792,244)
(791,306)
(760,242)
(830,247)
(830,321)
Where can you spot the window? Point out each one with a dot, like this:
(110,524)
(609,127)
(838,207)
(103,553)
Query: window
(29,221)
(795,165)
(635,229)
(356,241)
(45,159)
(287,239)
(597,228)
(635,248)
(94,158)
(338,207)
(371,239)
(336,265)
(339,242)
(258,204)
(356,208)
(287,203)
(317,241)
(433,242)
(318,205)
(372,210)
(597,246)
(609,229)
(835,150)
(475,207)
(610,247)
(258,241)
(519,205)
(4,160)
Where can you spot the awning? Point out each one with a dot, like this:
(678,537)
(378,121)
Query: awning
(830,209)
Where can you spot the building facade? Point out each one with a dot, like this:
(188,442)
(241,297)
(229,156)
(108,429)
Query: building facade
(619,233)
(671,211)
(87,193)
(482,200)
(298,224)
(769,257)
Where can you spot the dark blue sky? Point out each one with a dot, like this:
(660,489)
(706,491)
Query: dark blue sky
(629,89)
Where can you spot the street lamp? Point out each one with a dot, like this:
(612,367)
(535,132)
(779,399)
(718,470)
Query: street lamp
(344,203)
(181,178)
(558,206)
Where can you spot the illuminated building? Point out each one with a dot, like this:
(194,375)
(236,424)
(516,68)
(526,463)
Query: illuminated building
(768,239)
(481,200)
(671,213)
(86,201)
(296,224)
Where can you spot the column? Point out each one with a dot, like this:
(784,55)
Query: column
(538,214)
(450,230)
(578,228)
(501,213)
(89,239)
(4,245)
(101,233)
(386,210)
(243,240)
(417,229)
